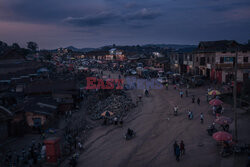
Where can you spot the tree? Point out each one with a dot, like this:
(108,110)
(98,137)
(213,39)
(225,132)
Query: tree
(32,46)
(15,46)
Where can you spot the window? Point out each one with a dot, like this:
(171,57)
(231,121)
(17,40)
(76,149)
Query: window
(197,59)
(202,61)
(245,59)
(191,57)
(222,60)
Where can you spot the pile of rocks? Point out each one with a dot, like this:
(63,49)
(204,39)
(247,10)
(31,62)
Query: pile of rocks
(118,103)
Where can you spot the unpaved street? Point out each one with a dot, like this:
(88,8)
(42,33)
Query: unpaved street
(156,130)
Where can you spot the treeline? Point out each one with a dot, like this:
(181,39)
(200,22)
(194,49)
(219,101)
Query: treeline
(14,51)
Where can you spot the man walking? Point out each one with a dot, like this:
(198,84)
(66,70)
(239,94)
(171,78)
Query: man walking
(177,153)
(166,86)
(181,93)
(175,146)
(202,118)
(193,99)
(182,148)
(198,101)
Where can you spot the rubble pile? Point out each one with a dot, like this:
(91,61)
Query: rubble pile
(118,103)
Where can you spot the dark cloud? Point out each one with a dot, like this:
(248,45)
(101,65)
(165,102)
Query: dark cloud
(98,22)
(143,14)
(106,18)
(92,20)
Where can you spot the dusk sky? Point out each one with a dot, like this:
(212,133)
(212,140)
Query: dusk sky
(95,23)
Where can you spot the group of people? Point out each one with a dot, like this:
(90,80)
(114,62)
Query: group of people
(198,100)
(179,149)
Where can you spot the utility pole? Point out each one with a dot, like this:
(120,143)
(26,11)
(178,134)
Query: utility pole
(235,96)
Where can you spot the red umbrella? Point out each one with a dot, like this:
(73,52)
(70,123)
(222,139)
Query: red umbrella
(215,102)
(223,120)
(222,136)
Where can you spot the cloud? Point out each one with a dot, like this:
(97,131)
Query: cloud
(92,20)
(113,18)
(143,14)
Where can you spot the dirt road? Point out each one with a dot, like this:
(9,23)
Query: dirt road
(156,130)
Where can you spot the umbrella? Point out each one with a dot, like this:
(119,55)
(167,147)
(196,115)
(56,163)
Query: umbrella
(223,120)
(215,102)
(107,113)
(214,92)
(222,136)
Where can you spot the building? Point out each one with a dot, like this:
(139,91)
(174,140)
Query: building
(215,60)
(188,63)
(115,54)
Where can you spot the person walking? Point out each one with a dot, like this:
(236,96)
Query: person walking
(182,148)
(177,153)
(193,99)
(202,118)
(181,93)
(198,101)
(175,146)
(175,110)
(166,86)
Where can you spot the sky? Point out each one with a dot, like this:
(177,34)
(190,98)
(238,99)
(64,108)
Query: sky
(95,23)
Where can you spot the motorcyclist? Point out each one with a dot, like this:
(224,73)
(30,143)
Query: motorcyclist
(130,133)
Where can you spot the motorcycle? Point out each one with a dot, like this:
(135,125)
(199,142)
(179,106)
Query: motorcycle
(129,137)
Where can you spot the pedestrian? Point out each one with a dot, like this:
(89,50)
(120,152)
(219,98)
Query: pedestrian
(181,93)
(175,146)
(177,153)
(115,120)
(186,93)
(121,122)
(175,86)
(214,110)
(167,86)
(198,101)
(182,147)
(207,97)
(175,110)
(193,99)
(202,118)
(80,146)
(189,114)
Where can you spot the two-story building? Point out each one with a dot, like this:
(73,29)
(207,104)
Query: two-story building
(216,59)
